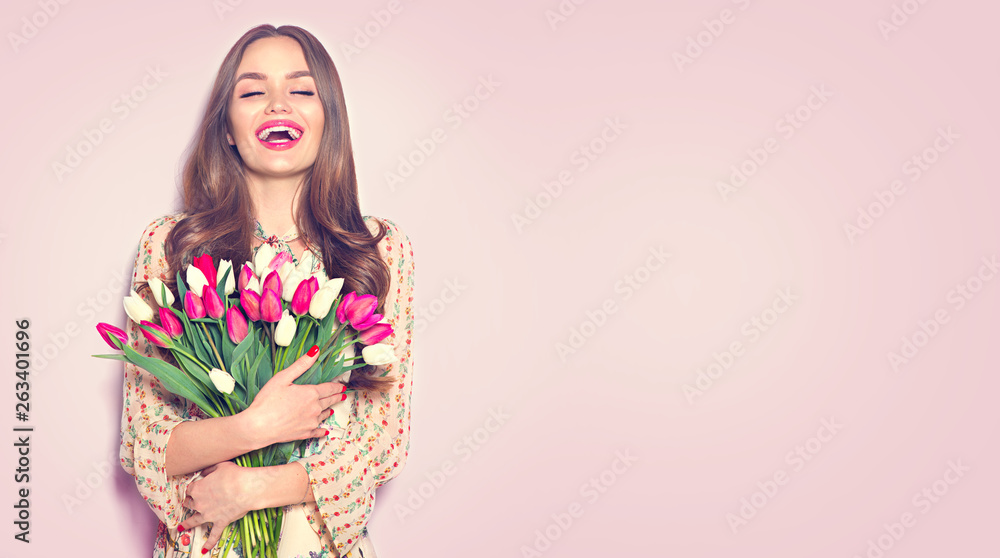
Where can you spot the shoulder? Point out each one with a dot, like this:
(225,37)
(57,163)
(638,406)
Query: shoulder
(151,257)
(160,227)
(394,239)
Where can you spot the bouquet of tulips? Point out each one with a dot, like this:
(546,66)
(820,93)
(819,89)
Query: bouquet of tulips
(233,334)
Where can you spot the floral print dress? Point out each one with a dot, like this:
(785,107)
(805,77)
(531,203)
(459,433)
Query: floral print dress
(369,432)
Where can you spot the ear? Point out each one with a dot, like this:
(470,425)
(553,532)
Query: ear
(230,139)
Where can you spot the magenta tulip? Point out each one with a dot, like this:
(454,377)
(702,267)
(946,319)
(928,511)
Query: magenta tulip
(375,333)
(171,323)
(250,301)
(155,334)
(279,260)
(246,273)
(270,306)
(109,331)
(358,310)
(273,282)
(236,325)
(303,295)
(193,306)
(205,264)
(213,304)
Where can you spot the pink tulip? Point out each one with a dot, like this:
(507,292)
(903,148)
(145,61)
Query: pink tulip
(358,310)
(279,260)
(158,336)
(303,295)
(375,333)
(246,273)
(273,282)
(193,306)
(270,306)
(108,331)
(170,323)
(213,304)
(250,301)
(236,325)
(205,264)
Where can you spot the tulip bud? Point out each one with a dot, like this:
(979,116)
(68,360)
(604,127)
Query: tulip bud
(358,310)
(253,285)
(284,332)
(158,288)
(224,266)
(264,255)
(378,354)
(109,333)
(279,260)
(136,308)
(375,333)
(236,325)
(270,306)
(155,334)
(290,283)
(285,270)
(246,274)
(196,279)
(171,323)
(205,264)
(250,301)
(321,278)
(193,306)
(306,263)
(321,303)
(273,282)
(304,295)
(213,304)
(222,380)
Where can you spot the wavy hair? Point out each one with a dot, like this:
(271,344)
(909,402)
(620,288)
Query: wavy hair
(220,211)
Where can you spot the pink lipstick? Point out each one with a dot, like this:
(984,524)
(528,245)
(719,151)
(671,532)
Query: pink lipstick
(279,135)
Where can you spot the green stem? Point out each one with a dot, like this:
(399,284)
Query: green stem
(222,365)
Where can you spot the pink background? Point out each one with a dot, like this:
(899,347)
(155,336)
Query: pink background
(497,300)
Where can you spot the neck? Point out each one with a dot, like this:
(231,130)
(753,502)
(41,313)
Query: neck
(275,203)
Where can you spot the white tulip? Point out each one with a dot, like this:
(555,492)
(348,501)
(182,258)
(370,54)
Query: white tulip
(253,285)
(321,303)
(263,257)
(285,270)
(306,263)
(334,285)
(196,280)
(222,380)
(156,285)
(290,283)
(226,265)
(378,354)
(137,309)
(321,278)
(284,332)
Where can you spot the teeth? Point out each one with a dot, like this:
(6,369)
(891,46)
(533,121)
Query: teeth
(292,132)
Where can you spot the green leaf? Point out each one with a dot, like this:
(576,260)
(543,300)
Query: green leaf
(172,378)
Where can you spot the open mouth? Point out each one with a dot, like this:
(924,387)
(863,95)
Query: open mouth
(279,134)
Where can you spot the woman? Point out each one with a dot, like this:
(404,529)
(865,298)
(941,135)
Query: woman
(274,154)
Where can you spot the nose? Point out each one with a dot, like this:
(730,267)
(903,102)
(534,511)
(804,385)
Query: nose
(278,105)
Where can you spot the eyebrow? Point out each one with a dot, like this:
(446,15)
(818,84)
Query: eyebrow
(257,75)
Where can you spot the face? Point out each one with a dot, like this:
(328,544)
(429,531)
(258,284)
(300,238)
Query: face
(275,115)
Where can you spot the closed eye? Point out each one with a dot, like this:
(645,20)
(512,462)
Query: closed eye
(252,93)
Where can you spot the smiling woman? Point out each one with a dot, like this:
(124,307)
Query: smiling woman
(273,154)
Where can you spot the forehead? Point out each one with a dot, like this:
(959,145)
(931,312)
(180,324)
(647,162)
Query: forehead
(279,54)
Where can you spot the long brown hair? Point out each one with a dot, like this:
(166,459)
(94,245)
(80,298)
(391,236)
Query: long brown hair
(220,211)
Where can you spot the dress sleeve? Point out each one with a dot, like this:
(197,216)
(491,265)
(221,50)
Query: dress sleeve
(344,475)
(150,412)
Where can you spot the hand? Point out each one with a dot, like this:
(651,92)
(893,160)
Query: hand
(225,493)
(283,411)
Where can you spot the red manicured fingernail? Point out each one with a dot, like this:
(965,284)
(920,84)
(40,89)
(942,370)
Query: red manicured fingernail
(180,528)
(327,433)
(343,397)
(204,551)
(313,350)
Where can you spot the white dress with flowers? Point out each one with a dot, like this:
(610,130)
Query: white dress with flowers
(369,432)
